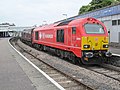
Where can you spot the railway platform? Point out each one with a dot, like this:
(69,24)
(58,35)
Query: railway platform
(18,74)
(115,50)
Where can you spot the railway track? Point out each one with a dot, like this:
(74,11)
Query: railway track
(114,60)
(66,81)
(106,70)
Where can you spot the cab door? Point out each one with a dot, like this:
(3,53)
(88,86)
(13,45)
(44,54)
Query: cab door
(73,36)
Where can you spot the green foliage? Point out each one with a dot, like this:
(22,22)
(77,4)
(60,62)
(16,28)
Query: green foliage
(96,4)
(84,9)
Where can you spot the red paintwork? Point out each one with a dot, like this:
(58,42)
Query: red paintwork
(47,35)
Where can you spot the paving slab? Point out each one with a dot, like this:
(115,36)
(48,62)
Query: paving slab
(18,74)
(115,50)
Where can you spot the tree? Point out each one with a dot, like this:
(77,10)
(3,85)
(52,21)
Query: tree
(96,4)
(84,9)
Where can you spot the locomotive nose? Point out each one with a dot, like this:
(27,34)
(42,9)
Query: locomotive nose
(95,43)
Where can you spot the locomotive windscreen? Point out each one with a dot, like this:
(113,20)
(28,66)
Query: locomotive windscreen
(94,28)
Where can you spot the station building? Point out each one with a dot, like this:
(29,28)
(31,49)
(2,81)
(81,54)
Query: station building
(10,31)
(4,31)
(110,16)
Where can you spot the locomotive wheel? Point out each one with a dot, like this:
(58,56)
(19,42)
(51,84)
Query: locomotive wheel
(61,54)
(45,48)
(58,52)
(40,47)
(78,60)
(72,58)
(35,46)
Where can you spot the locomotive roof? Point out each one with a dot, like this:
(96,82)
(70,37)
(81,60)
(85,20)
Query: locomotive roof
(63,23)
(72,21)
(44,27)
(28,29)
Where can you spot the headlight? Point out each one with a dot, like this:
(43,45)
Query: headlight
(105,46)
(86,46)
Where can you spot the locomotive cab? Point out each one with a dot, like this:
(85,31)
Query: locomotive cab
(95,42)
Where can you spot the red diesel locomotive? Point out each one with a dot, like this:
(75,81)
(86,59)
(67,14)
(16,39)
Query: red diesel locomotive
(84,39)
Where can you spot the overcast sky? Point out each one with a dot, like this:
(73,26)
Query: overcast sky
(36,12)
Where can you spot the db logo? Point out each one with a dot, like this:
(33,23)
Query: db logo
(40,35)
(96,39)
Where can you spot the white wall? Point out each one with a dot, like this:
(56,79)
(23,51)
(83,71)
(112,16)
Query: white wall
(114,30)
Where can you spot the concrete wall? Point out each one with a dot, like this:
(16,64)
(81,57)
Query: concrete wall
(114,30)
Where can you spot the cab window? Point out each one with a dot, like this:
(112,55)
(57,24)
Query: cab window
(36,35)
(73,30)
(94,28)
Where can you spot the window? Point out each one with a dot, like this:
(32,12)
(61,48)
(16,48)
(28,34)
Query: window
(36,36)
(73,30)
(118,21)
(114,22)
(94,29)
(60,35)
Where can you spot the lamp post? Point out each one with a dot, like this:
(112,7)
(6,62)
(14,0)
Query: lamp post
(65,15)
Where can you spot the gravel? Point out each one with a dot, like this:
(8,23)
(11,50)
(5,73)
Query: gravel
(114,60)
(90,78)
